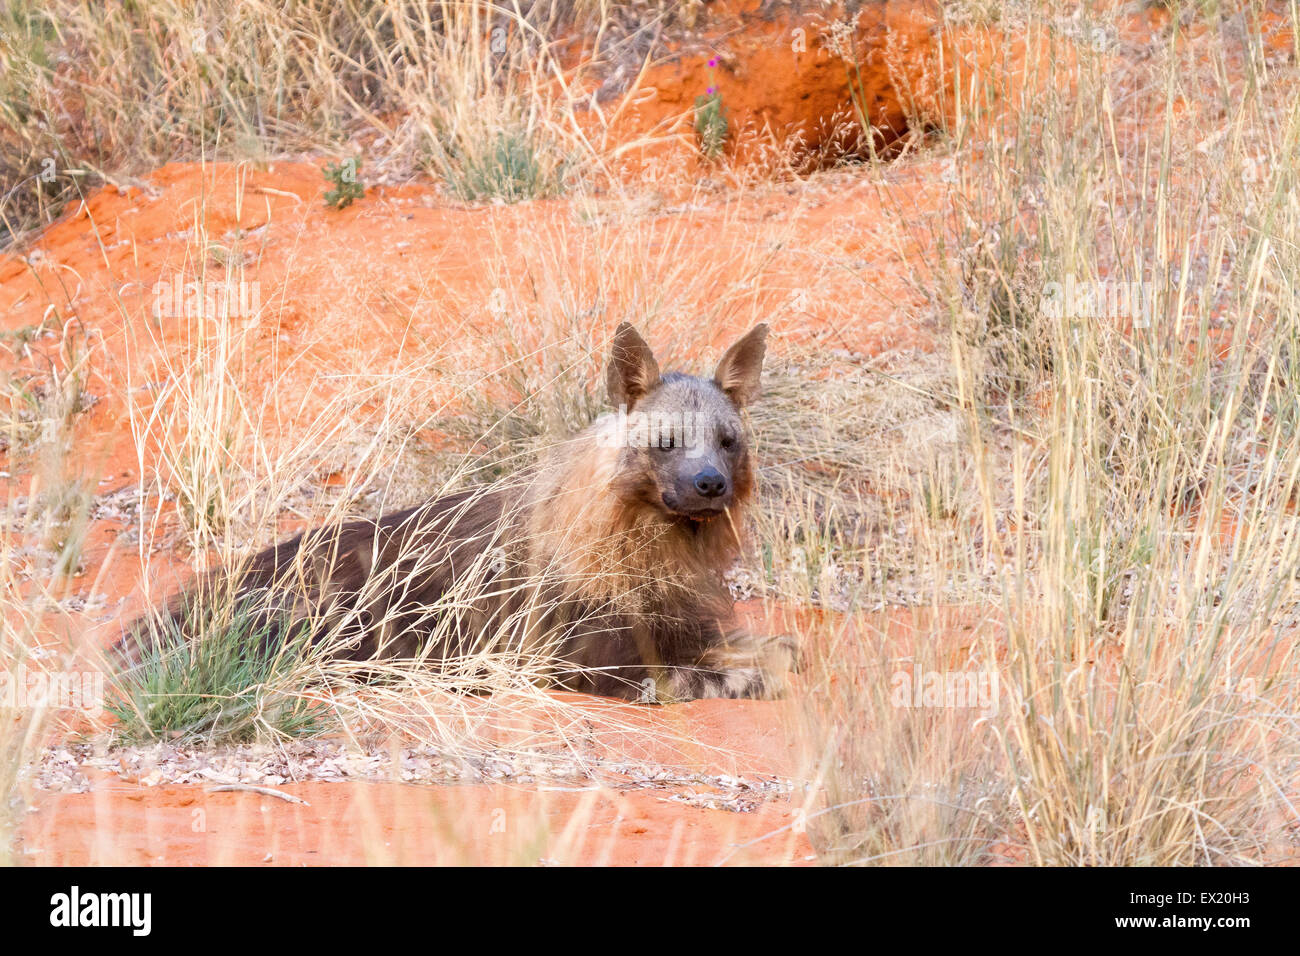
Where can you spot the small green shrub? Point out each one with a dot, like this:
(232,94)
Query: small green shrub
(205,675)
(710,124)
(347,187)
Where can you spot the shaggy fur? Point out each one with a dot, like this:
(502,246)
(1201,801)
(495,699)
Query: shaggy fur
(606,559)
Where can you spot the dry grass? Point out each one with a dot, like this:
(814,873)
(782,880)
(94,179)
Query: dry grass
(1140,527)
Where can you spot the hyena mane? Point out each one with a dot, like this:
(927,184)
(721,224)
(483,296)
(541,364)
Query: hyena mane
(605,560)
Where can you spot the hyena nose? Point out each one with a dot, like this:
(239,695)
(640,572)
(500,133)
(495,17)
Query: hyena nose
(710,483)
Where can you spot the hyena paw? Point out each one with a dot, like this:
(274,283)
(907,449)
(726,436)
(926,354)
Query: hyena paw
(745,666)
(784,653)
(749,682)
(752,681)
(735,682)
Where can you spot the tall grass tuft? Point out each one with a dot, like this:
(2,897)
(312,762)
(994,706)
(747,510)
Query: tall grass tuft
(217,672)
(506,164)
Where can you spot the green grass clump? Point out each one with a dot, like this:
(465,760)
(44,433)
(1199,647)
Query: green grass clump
(232,683)
(509,166)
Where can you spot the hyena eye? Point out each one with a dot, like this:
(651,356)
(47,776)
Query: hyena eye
(727,441)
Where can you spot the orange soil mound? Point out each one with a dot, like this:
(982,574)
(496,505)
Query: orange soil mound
(798,85)
(785,79)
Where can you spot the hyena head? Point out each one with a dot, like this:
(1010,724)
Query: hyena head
(684,449)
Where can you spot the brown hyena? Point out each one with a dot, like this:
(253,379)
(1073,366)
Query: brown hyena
(605,559)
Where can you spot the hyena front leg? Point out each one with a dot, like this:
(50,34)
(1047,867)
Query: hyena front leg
(740,664)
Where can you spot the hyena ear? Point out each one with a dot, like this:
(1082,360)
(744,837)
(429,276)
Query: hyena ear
(632,371)
(738,372)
